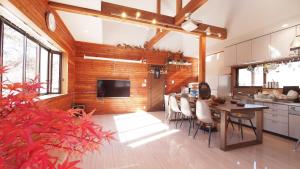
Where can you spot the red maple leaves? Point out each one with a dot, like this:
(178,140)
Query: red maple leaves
(28,132)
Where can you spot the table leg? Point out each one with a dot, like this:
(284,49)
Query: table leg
(223,130)
(259,126)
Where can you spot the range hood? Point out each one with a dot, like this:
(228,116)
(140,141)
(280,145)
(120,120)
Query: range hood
(295,46)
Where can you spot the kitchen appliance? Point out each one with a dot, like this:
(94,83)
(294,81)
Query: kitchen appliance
(286,89)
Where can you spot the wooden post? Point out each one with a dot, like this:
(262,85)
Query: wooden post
(178,6)
(201,60)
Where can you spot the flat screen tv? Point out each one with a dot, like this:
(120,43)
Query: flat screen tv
(113,88)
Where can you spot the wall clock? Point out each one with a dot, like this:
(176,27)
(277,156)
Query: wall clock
(51,23)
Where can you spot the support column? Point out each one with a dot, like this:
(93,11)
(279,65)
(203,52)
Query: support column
(201,59)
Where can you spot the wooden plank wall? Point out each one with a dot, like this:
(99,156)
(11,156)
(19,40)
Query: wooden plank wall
(36,11)
(89,71)
(181,75)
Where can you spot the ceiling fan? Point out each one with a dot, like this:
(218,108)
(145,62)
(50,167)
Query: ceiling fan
(191,24)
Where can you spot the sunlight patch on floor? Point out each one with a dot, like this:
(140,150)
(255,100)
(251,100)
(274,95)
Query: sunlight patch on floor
(140,128)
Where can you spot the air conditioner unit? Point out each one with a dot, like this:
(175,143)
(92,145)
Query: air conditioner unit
(189,25)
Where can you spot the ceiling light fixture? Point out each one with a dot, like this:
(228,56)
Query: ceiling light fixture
(154,21)
(208,31)
(112,59)
(123,15)
(219,35)
(138,14)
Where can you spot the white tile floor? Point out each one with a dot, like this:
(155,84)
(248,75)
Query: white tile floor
(144,141)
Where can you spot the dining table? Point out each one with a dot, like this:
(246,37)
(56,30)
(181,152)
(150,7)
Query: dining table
(224,110)
(227,108)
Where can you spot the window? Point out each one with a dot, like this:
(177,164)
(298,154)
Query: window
(285,74)
(13,49)
(31,60)
(55,79)
(28,58)
(44,70)
(254,77)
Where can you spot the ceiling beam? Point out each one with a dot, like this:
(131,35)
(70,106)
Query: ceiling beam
(113,12)
(160,34)
(191,7)
(178,6)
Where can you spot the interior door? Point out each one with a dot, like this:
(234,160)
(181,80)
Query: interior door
(156,90)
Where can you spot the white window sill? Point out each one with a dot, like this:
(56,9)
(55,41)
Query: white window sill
(50,96)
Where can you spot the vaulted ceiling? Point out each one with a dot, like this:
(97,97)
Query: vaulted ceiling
(242,18)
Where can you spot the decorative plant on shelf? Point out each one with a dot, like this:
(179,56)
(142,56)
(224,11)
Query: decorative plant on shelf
(29,132)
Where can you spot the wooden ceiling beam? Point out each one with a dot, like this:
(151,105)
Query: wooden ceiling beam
(113,12)
(191,7)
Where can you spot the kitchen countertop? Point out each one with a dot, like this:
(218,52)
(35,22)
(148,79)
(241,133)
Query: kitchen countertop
(278,102)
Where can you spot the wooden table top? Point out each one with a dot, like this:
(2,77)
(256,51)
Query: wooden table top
(229,107)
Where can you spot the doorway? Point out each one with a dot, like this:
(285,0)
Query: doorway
(156,90)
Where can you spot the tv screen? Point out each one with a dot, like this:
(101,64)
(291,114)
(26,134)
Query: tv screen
(113,88)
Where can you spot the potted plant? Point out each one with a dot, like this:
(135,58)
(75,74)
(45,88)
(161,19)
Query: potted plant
(29,133)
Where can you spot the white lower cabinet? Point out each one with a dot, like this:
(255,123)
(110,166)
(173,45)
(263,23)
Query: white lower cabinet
(294,122)
(276,119)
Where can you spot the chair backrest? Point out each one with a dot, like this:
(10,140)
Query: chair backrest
(166,99)
(185,106)
(203,112)
(173,103)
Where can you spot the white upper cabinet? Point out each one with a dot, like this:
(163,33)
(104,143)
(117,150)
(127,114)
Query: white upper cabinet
(244,53)
(281,42)
(230,56)
(260,48)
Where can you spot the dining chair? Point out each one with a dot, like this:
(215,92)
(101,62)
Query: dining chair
(241,117)
(173,108)
(166,100)
(186,111)
(297,144)
(204,117)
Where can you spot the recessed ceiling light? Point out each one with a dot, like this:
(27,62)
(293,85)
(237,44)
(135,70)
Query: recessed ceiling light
(138,14)
(154,21)
(284,25)
(123,15)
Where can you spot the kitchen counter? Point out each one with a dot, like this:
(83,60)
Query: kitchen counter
(278,102)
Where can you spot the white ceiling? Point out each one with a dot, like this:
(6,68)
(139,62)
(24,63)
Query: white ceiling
(242,18)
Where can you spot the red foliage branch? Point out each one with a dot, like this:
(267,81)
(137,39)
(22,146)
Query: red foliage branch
(28,132)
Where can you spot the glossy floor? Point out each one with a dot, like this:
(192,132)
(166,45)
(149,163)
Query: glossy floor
(145,141)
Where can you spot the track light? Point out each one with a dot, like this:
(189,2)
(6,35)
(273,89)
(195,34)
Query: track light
(208,31)
(123,15)
(137,14)
(154,21)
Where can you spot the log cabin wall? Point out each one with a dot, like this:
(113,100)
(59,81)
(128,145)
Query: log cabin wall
(89,71)
(36,11)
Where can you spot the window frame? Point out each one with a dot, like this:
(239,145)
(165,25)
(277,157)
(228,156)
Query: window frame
(4,21)
(265,74)
(252,77)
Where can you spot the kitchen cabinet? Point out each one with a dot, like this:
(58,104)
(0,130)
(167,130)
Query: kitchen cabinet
(294,122)
(244,53)
(230,56)
(276,119)
(280,43)
(260,48)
